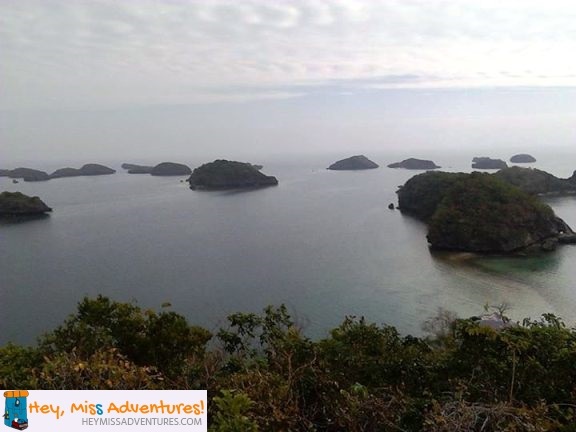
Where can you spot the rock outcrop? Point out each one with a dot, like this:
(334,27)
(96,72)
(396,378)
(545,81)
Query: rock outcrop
(536,182)
(415,164)
(359,162)
(171,169)
(481,213)
(224,174)
(488,163)
(28,174)
(522,158)
(18,204)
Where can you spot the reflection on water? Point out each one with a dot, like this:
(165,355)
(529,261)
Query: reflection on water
(14,220)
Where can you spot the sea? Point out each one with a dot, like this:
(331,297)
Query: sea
(324,243)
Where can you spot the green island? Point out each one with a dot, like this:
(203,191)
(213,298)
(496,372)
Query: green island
(224,174)
(263,374)
(17,204)
(482,213)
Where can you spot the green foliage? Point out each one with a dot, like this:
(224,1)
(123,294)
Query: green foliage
(231,410)
(16,362)
(421,195)
(265,375)
(162,340)
(534,181)
(481,213)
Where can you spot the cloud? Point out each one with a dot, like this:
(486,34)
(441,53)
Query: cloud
(104,53)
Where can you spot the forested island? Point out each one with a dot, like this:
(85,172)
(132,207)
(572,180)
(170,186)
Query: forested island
(481,213)
(353,163)
(415,164)
(224,174)
(263,373)
(14,204)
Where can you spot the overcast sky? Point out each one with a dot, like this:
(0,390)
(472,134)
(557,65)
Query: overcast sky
(143,78)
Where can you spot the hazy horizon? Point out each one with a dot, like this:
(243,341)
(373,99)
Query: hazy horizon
(102,80)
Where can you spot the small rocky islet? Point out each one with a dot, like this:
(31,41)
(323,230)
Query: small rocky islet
(15,204)
(415,164)
(353,163)
(224,174)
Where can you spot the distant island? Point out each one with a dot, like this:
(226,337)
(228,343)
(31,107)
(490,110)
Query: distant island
(359,162)
(170,169)
(18,204)
(481,213)
(33,175)
(86,170)
(522,158)
(415,164)
(27,174)
(488,163)
(137,169)
(224,174)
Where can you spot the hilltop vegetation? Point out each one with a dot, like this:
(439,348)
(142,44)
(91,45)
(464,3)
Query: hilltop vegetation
(262,373)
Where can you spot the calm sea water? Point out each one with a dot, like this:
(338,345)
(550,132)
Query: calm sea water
(322,242)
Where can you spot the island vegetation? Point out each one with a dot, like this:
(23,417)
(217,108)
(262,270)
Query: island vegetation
(536,182)
(170,169)
(415,164)
(522,158)
(137,169)
(353,163)
(17,204)
(263,373)
(85,170)
(224,174)
(481,213)
(488,163)
(26,174)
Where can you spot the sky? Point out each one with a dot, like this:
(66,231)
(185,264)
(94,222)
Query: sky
(235,78)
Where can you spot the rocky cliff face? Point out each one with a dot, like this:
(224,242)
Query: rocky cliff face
(480,213)
(224,174)
(18,204)
(359,162)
